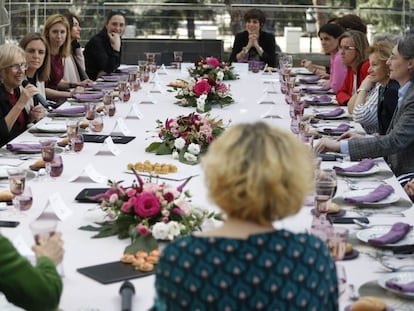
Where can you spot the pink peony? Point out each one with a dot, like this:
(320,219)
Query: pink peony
(126,207)
(202,87)
(214,62)
(147,205)
(169,197)
(131,192)
(143,230)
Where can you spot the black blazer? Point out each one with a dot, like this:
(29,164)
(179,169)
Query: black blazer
(266,41)
(387,107)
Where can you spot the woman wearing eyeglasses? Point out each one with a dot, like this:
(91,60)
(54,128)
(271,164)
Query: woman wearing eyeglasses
(353,45)
(103,51)
(13,97)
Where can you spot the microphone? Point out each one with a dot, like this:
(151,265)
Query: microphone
(127,290)
(39,97)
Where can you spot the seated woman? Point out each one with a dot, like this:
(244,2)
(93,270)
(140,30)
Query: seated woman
(75,62)
(257,175)
(103,51)
(353,45)
(14,118)
(254,43)
(32,287)
(56,32)
(329,34)
(376,99)
(38,63)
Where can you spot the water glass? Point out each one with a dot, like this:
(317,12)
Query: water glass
(325,184)
(337,242)
(47,147)
(56,166)
(78,143)
(150,57)
(43,227)
(17,182)
(72,128)
(90,109)
(96,125)
(25,199)
(142,65)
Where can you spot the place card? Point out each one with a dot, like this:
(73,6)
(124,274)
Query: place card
(162,70)
(111,146)
(92,173)
(59,207)
(120,123)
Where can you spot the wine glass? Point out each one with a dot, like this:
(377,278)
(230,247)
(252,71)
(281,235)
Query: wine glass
(56,166)
(26,199)
(47,147)
(17,182)
(72,128)
(326,185)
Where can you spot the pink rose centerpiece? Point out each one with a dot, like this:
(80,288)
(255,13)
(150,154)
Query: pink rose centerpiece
(147,212)
(186,137)
(213,68)
(203,93)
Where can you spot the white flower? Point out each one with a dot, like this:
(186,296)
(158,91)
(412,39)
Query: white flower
(190,157)
(174,229)
(194,148)
(175,155)
(179,143)
(201,101)
(220,75)
(160,231)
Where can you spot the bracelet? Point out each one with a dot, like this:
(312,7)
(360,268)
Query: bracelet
(361,90)
(245,50)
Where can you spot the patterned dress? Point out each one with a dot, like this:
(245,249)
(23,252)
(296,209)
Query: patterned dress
(268,271)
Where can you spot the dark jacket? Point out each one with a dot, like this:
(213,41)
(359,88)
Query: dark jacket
(387,106)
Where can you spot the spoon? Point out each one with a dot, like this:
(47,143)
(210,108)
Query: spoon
(394,268)
(353,295)
(362,224)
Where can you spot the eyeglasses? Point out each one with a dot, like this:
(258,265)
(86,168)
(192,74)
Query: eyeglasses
(347,48)
(17,67)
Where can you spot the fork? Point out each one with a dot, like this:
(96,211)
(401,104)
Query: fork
(390,213)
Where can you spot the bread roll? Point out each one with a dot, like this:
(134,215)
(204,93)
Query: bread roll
(334,208)
(5,196)
(369,303)
(348,248)
(84,124)
(37,165)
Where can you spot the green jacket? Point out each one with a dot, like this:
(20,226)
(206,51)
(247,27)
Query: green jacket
(32,288)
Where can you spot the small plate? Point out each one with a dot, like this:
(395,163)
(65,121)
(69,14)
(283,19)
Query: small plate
(49,128)
(84,100)
(392,198)
(348,308)
(309,100)
(329,133)
(376,231)
(351,255)
(302,71)
(371,171)
(399,277)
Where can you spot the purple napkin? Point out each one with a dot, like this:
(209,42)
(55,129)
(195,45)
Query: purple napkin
(105,85)
(128,69)
(310,79)
(402,287)
(316,89)
(71,110)
(363,166)
(88,96)
(341,128)
(115,77)
(398,231)
(333,113)
(23,147)
(378,194)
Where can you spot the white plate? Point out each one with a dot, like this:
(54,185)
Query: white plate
(374,232)
(309,100)
(302,71)
(372,170)
(398,277)
(4,175)
(392,198)
(50,127)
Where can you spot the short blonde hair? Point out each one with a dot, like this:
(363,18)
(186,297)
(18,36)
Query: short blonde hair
(258,173)
(9,52)
(52,20)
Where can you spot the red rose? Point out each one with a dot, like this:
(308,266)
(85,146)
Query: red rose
(147,205)
(214,62)
(202,87)
(169,197)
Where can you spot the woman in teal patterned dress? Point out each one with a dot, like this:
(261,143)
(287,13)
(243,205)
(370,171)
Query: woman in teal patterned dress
(256,174)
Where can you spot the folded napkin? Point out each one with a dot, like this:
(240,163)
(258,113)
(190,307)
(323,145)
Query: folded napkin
(23,147)
(115,77)
(341,128)
(397,232)
(378,194)
(310,79)
(71,110)
(333,113)
(88,96)
(128,69)
(316,89)
(105,85)
(363,166)
(402,287)
(321,99)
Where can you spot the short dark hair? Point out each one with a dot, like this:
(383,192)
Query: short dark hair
(255,14)
(70,16)
(114,12)
(333,30)
(352,22)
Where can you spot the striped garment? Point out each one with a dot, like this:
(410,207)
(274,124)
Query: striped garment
(366,113)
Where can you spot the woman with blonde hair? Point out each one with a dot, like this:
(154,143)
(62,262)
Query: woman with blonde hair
(353,45)
(257,175)
(57,33)
(13,97)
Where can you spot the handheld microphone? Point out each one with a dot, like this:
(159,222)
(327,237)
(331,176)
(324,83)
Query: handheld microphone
(39,97)
(126,291)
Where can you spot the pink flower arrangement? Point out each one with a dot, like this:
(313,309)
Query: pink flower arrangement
(160,211)
(213,68)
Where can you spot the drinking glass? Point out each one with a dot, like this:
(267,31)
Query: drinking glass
(142,65)
(78,144)
(25,199)
(96,125)
(341,276)
(110,109)
(178,58)
(47,147)
(326,185)
(337,242)
(17,182)
(90,109)
(108,97)
(72,128)
(150,57)
(56,166)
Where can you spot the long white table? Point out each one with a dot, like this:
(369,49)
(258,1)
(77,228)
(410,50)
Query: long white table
(80,250)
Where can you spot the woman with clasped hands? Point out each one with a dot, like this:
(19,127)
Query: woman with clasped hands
(256,175)
(35,288)
(103,51)
(254,43)
(14,117)
(397,145)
